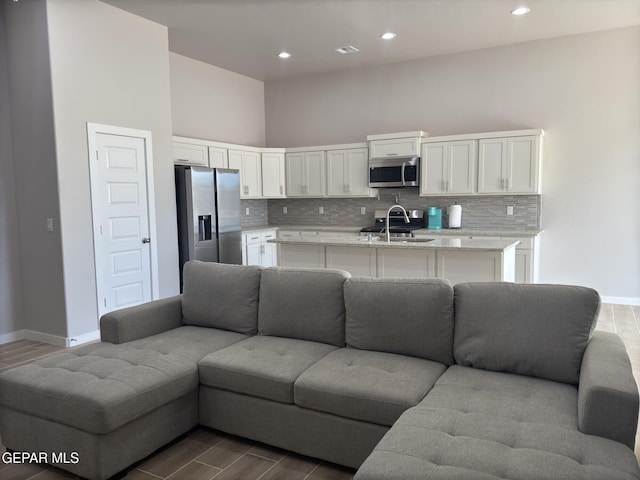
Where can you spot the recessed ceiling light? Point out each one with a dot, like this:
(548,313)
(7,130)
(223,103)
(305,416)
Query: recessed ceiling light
(520,11)
(388,36)
(347,49)
(284,54)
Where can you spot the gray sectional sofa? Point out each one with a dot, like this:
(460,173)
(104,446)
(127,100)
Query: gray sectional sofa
(402,379)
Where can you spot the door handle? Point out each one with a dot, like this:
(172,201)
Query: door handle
(404,164)
(146,240)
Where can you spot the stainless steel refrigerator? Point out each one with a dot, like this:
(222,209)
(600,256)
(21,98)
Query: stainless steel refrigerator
(209,215)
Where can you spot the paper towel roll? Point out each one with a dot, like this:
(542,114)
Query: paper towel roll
(455,216)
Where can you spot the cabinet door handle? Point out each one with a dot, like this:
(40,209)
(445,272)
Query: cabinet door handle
(281,190)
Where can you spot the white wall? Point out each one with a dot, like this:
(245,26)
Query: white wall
(34,171)
(215,104)
(583,90)
(108,67)
(10,282)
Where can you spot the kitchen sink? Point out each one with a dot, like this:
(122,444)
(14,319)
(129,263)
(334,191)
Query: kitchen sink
(412,240)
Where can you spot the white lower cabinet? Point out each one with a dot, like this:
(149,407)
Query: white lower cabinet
(359,262)
(256,250)
(410,263)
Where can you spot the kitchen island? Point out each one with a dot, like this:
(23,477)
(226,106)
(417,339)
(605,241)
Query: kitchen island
(455,259)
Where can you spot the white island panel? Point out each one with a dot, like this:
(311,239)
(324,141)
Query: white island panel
(394,262)
(359,262)
(307,256)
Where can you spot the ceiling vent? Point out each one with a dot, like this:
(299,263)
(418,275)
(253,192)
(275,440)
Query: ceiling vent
(347,49)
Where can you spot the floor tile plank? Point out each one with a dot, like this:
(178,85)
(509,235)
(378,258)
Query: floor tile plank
(247,467)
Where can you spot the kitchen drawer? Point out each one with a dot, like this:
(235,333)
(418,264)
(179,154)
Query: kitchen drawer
(288,233)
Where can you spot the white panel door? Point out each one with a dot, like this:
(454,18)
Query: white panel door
(121,222)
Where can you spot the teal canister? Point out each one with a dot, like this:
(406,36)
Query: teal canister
(434,218)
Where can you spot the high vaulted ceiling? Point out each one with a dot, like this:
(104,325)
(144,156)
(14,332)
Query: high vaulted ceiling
(245,36)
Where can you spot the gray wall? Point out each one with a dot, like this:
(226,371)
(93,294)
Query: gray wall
(107,67)
(36,188)
(215,104)
(583,90)
(10,283)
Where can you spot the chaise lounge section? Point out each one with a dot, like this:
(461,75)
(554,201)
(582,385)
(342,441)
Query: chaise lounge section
(401,378)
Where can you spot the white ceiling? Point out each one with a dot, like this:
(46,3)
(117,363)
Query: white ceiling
(245,36)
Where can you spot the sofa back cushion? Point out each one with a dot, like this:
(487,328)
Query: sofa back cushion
(536,330)
(307,304)
(221,296)
(404,316)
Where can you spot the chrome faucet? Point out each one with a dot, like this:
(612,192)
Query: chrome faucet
(406,219)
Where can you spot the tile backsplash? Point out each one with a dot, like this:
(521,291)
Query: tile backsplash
(477,211)
(258,213)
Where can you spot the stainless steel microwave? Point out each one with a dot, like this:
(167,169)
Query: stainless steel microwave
(394,172)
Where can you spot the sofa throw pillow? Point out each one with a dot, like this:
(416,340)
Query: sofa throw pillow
(404,316)
(221,296)
(307,304)
(530,329)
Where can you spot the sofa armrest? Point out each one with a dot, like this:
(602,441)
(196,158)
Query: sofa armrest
(607,393)
(141,321)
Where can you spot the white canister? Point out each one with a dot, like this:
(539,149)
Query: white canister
(455,216)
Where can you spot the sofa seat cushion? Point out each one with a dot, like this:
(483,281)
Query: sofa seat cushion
(192,343)
(486,425)
(370,386)
(100,387)
(261,366)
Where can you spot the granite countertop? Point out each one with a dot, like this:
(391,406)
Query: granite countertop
(456,232)
(457,244)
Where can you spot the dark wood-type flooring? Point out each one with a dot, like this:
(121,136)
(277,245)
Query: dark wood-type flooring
(204,454)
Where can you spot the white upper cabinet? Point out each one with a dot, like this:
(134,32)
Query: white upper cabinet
(190,154)
(273,177)
(218,157)
(305,174)
(348,173)
(403,144)
(448,168)
(509,165)
(249,164)
(397,147)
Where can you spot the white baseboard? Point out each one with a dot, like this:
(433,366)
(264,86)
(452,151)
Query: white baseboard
(621,300)
(11,336)
(45,338)
(50,339)
(84,338)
